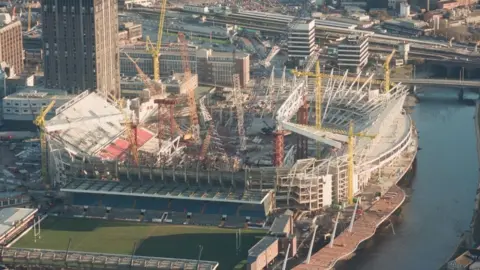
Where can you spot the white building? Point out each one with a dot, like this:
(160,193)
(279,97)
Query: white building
(196,9)
(404,10)
(27,104)
(301,40)
(353,53)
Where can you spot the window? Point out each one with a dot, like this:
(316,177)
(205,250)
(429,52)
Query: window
(25,111)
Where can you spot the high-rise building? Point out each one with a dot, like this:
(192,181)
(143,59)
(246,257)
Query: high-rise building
(11,46)
(301,40)
(80,41)
(353,53)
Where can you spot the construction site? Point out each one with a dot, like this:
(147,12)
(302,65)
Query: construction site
(309,140)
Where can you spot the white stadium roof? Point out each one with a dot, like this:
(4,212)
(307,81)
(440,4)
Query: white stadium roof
(86,124)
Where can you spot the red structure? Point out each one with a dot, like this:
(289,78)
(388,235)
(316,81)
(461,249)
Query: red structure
(170,104)
(278,147)
(302,141)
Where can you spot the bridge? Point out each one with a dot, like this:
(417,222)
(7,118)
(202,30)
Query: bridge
(439,82)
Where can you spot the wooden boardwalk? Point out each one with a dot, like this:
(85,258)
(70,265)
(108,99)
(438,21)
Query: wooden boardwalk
(364,228)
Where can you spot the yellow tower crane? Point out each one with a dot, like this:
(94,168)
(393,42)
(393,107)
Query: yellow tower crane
(386,69)
(40,123)
(155,50)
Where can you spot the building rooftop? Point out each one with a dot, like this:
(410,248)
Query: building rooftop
(10,216)
(279,224)
(39,93)
(262,245)
(70,123)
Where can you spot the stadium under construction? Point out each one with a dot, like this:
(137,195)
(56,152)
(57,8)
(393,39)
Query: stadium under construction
(238,159)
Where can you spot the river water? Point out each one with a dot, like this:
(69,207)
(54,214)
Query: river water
(441,201)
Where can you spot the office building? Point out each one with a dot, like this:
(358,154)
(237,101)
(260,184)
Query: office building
(11,46)
(301,41)
(26,104)
(353,53)
(80,41)
(212,67)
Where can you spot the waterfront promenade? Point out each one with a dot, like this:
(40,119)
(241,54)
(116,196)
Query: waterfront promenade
(365,226)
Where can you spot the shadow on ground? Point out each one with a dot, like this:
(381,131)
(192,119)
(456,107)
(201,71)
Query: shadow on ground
(219,247)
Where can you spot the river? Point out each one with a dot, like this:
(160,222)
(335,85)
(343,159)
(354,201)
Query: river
(441,201)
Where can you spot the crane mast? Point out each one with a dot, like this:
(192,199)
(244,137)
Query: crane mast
(29,26)
(318,102)
(386,68)
(40,123)
(237,96)
(191,92)
(131,129)
(155,50)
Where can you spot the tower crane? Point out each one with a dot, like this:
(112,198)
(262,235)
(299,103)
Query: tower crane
(386,69)
(351,151)
(29,25)
(206,142)
(238,100)
(131,128)
(148,83)
(318,101)
(155,50)
(191,92)
(40,123)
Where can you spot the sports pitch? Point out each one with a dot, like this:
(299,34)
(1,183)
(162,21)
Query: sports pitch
(159,240)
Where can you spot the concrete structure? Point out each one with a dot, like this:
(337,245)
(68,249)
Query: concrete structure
(301,40)
(196,9)
(406,27)
(279,237)
(449,4)
(130,31)
(76,259)
(212,67)
(11,46)
(81,45)
(176,84)
(26,104)
(404,10)
(353,53)
(216,31)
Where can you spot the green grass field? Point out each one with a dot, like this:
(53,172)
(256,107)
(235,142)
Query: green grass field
(173,241)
